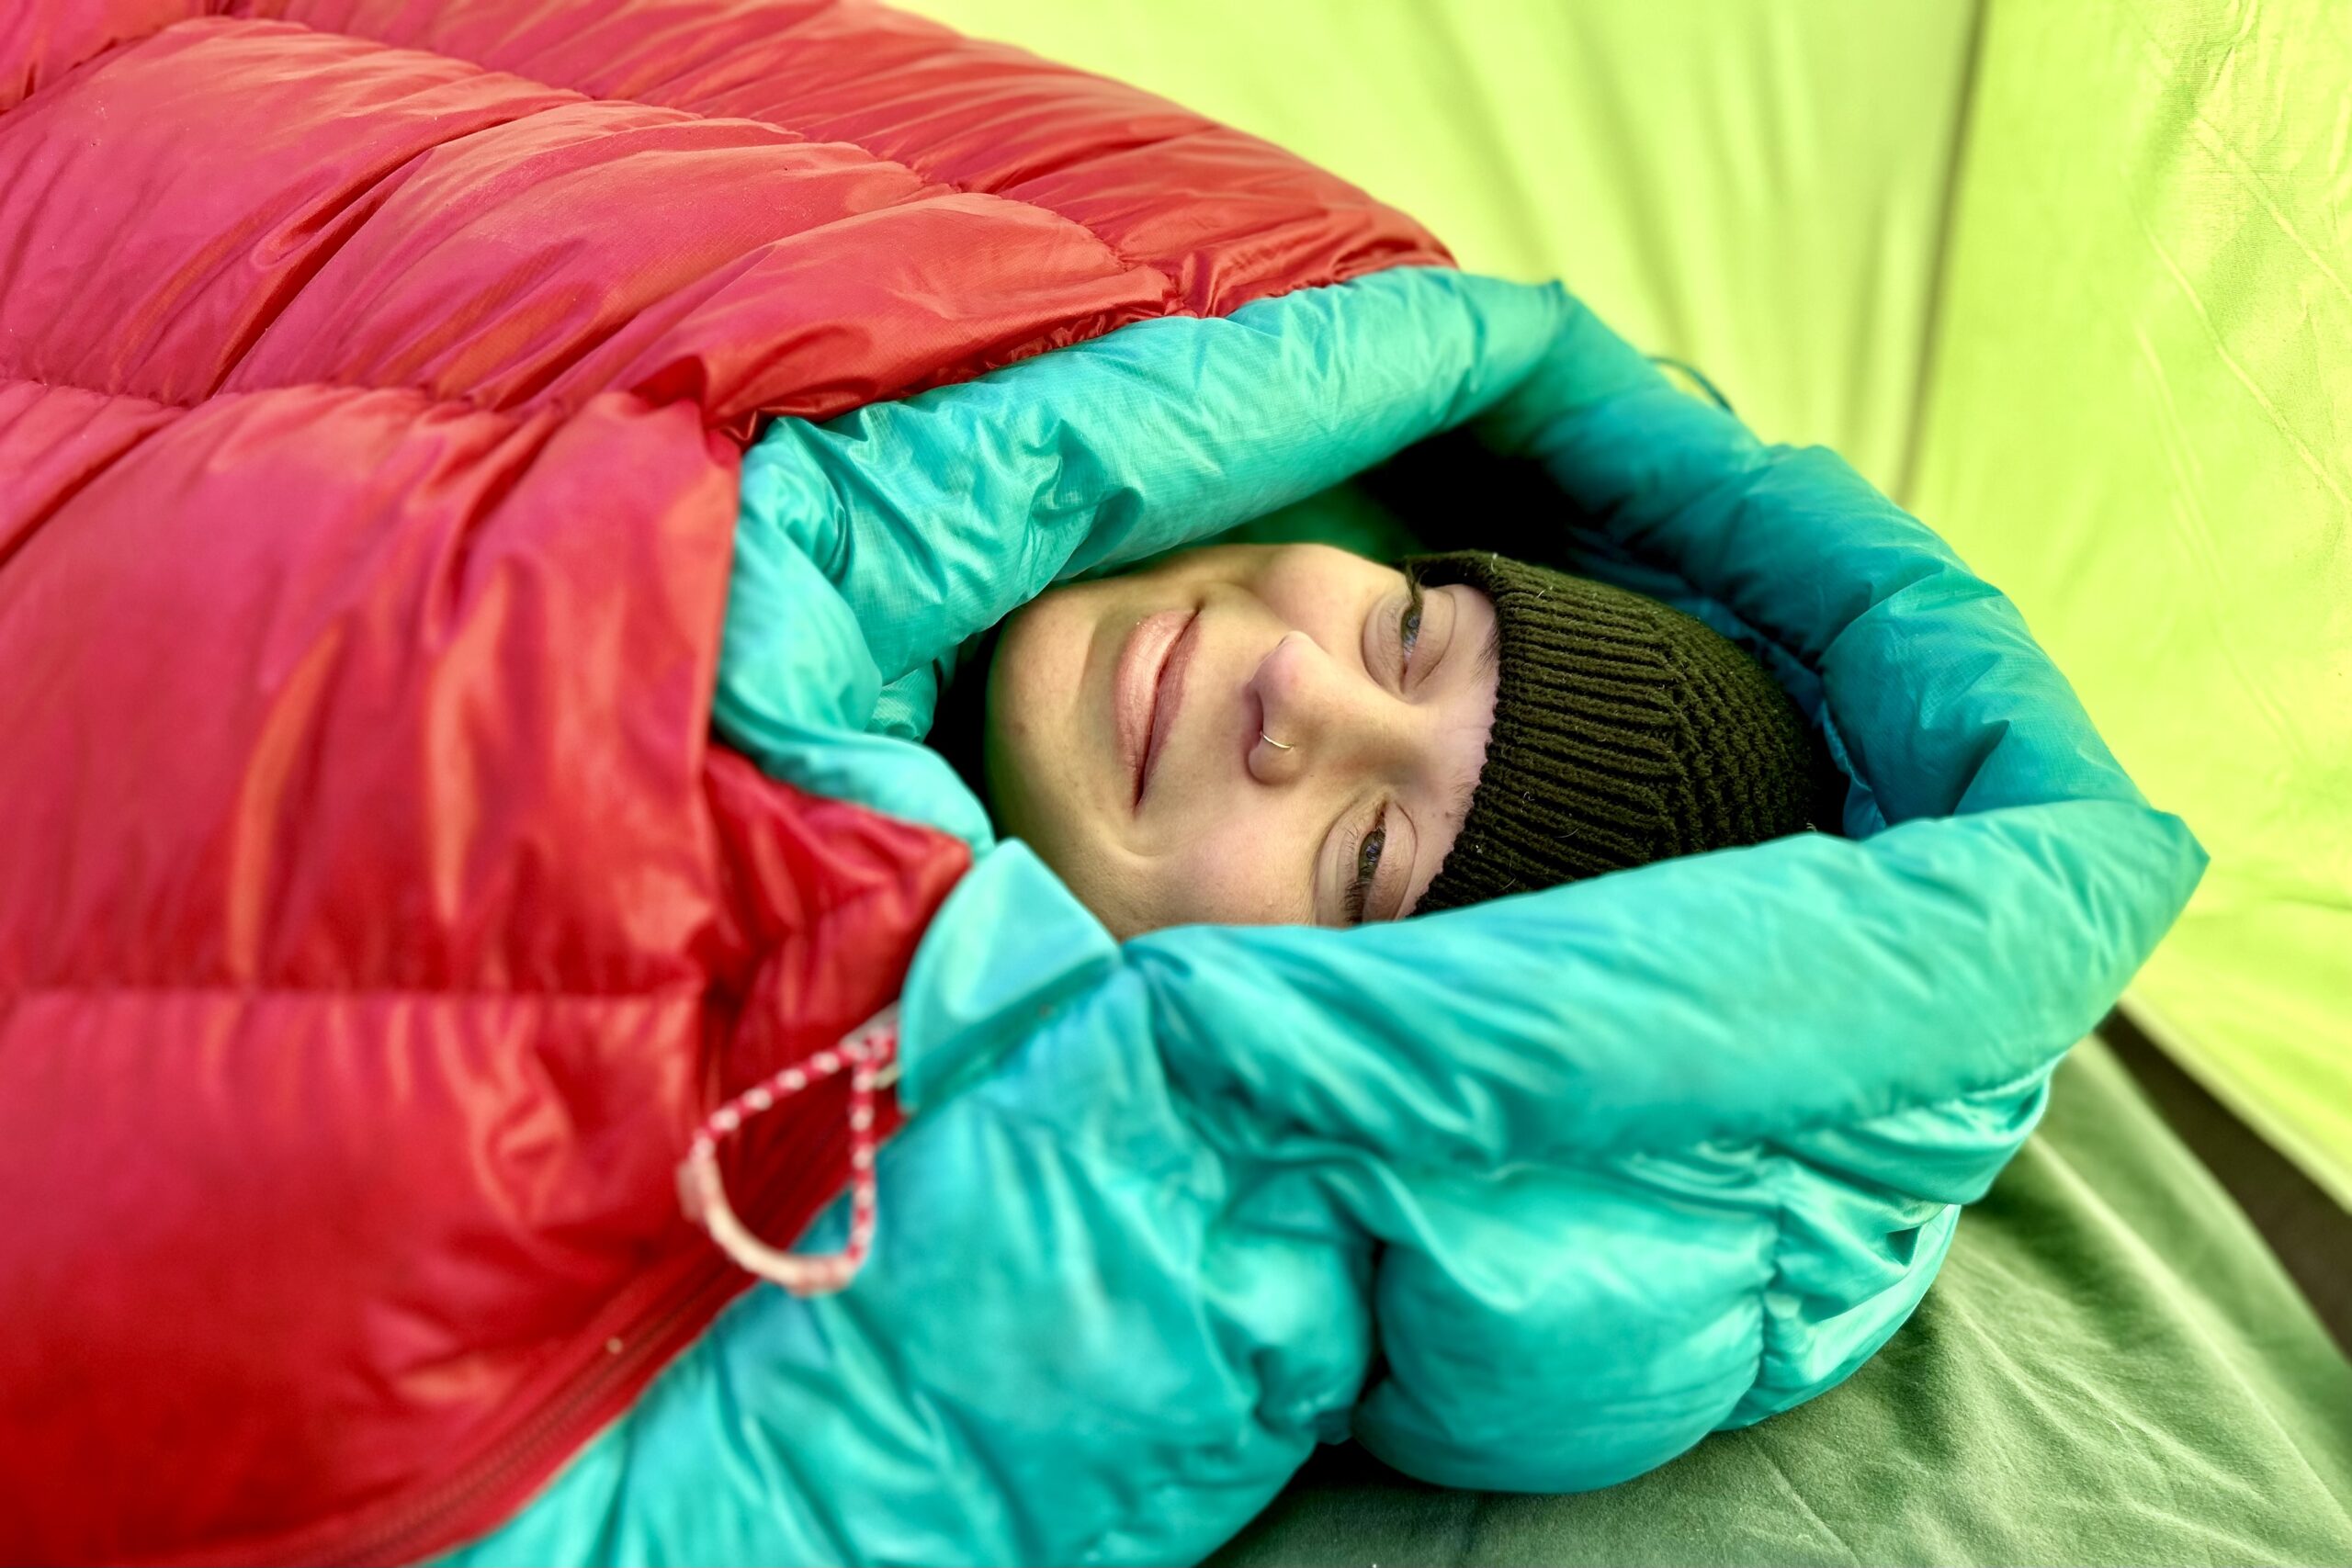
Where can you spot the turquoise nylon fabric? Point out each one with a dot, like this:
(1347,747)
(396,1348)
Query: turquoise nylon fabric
(1600,1168)
(929,520)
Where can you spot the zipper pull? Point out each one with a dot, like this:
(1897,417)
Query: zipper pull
(870,1055)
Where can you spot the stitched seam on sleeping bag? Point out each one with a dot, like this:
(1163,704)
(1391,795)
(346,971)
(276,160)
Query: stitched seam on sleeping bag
(260,991)
(1864,1119)
(1774,1165)
(1129,262)
(1783,1163)
(75,67)
(64,497)
(962,369)
(706,985)
(427,400)
(524,412)
(1126,262)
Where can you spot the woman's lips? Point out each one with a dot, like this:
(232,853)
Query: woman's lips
(1171,697)
(1146,687)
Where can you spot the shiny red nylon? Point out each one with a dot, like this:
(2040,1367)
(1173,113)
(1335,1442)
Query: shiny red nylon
(377,919)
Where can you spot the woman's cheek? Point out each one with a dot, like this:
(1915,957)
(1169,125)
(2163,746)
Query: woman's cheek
(1240,871)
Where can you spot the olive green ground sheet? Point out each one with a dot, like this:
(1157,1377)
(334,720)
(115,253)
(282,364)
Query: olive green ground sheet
(2112,1369)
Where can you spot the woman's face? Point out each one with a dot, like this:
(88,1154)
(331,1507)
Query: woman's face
(1132,726)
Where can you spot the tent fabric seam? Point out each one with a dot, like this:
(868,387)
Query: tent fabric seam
(1931,325)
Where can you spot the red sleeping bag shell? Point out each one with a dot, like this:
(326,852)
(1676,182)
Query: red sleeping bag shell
(376,919)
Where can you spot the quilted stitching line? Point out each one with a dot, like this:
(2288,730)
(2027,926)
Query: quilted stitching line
(64,496)
(970,366)
(242,10)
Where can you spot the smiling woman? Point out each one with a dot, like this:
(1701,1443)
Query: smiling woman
(1252,735)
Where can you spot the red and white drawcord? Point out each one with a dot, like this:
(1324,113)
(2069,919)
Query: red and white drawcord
(870,1054)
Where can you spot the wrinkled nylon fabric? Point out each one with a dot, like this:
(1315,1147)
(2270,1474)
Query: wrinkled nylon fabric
(2112,1369)
(378,919)
(933,517)
(1598,1169)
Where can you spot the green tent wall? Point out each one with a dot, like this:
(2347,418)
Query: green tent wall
(2073,281)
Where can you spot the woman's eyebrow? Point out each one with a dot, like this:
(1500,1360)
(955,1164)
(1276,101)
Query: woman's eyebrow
(1454,794)
(1459,793)
(1489,656)
(1454,797)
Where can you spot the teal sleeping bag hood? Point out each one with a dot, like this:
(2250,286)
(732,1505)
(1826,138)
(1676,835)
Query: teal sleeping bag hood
(1532,1195)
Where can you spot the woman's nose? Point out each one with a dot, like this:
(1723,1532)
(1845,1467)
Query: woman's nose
(1309,717)
(1280,688)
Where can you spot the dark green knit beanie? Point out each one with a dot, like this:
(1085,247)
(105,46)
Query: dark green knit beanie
(1625,732)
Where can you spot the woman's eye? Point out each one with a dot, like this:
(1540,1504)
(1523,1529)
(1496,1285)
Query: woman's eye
(1367,866)
(1408,632)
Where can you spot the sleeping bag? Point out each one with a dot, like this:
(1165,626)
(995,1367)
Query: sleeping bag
(488,496)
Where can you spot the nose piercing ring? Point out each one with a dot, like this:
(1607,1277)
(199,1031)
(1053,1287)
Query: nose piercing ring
(1271,741)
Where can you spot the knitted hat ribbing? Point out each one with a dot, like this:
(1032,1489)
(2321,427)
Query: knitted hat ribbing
(1625,732)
